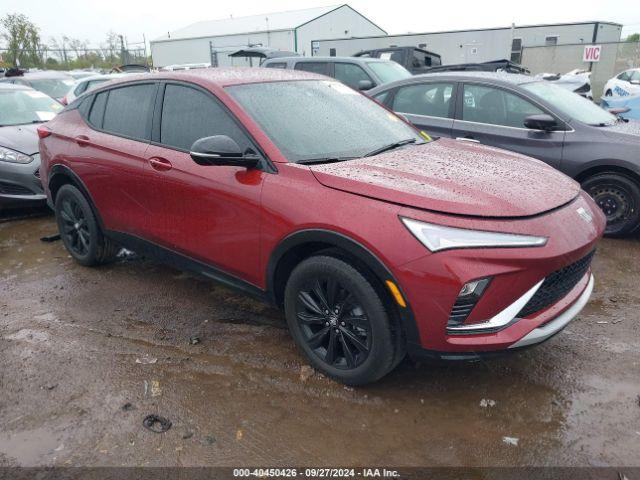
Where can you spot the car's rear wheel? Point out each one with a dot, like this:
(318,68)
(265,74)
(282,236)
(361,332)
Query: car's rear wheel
(338,321)
(79,229)
(619,198)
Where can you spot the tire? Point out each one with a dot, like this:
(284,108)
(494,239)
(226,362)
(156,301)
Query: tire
(328,302)
(608,93)
(619,198)
(79,230)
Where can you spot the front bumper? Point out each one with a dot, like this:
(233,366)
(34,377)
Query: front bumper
(20,184)
(497,323)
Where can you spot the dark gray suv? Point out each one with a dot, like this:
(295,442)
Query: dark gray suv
(535,118)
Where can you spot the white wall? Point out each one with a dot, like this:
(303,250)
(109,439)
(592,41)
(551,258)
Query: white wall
(342,22)
(474,46)
(196,50)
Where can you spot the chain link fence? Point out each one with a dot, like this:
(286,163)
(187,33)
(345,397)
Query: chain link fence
(614,58)
(68,59)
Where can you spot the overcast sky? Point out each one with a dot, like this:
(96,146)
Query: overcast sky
(91,19)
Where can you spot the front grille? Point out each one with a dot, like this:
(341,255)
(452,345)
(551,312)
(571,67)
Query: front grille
(13,189)
(557,285)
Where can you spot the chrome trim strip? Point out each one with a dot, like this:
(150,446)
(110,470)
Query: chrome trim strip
(501,319)
(554,326)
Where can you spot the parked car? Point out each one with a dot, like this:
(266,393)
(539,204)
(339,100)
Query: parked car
(87,84)
(373,240)
(535,118)
(415,60)
(53,84)
(506,66)
(261,54)
(358,73)
(627,107)
(21,109)
(80,74)
(624,84)
(577,81)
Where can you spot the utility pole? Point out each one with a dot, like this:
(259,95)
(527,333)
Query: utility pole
(122,50)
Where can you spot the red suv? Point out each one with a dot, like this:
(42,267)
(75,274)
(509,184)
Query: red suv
(294,188)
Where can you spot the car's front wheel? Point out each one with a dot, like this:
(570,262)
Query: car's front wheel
(608,93)
(79,229)
(619,198)
(339,321)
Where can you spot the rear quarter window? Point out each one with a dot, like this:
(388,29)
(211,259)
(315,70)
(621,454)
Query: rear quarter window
(128,111)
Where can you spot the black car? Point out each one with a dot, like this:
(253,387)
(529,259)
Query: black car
(535,118)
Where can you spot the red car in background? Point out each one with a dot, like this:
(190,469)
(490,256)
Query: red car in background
(374,239)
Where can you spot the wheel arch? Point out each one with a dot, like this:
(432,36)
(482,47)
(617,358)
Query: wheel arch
(305,243)
(62,175)
(608,168)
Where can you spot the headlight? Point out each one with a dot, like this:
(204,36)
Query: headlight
(438,237)
(8,155)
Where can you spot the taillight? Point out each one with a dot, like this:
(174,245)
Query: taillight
(44,131)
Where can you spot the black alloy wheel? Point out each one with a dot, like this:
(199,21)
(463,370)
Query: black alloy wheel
(75,228)
(333,323)
(340,320)
(79,230)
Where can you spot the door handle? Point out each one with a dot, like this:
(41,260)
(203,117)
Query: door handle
(82,140)
(160,164)
(468,139)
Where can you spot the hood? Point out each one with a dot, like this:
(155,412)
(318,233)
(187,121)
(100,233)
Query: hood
(454,177)
(625,131)
(23,138)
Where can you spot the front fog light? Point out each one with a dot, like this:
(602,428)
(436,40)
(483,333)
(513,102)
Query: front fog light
(469,295)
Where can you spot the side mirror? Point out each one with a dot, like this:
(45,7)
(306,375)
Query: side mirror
(221,150)
(365,85)
(541,122)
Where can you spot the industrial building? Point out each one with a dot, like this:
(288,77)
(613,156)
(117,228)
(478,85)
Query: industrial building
(462,46)
(212,41)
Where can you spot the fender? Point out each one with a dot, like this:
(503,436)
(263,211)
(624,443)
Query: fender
(354,248)
(59,170)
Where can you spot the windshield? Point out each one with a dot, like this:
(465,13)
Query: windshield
(26,106)
(389,71)
(313,120)
(54,87)
(571,104)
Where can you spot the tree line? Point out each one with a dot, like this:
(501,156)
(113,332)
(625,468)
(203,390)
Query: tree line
(22,46)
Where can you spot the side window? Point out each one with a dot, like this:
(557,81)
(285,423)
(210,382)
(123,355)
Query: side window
(97,110)
(276,65)
(419,59)
(128,111)
(432,99)
(496,107)
(394,55)
(189,114)
(624,76)
(316,67)
(635,75)
(351,74)
(381,97)
(84,106)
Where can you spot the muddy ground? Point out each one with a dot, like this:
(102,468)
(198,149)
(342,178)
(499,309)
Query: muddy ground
(86,354)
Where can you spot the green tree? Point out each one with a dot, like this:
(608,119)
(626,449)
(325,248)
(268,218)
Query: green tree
(23,40)
(635,37)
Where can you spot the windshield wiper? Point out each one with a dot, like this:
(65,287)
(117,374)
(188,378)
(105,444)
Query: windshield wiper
(391,146)
(316,161)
